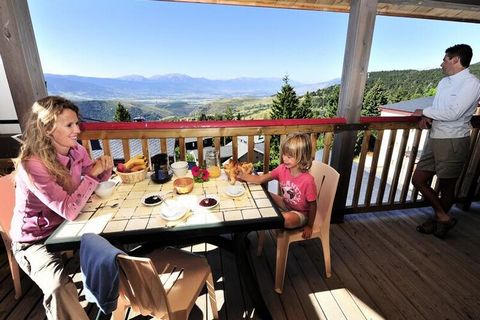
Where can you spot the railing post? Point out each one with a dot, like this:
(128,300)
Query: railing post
(342,160)
(361,23)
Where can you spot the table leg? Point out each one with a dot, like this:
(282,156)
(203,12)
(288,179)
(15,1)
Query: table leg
(245,268)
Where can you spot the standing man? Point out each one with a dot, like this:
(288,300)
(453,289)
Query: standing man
(447,147)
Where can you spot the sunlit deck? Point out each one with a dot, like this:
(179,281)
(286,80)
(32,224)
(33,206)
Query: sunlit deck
(382,268)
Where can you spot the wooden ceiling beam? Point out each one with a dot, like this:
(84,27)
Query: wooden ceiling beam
(455,10)
(21,61)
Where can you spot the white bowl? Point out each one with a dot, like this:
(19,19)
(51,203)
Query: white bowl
(179,168)
(105,189)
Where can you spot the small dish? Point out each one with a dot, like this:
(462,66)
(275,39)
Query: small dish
(208,202)
(105,189)
(172,210)
(235,190)
(152,200)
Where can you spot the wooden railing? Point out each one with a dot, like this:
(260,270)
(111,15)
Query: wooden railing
(381,173)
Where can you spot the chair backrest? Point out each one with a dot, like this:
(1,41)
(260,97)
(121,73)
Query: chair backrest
(7,196)
(326,180)
(141,286)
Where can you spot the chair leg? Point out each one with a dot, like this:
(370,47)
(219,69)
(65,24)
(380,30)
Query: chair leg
(281,264)
(261,241)
(211,295)
(119,313)
(68,254)
(325,239)
(14,269)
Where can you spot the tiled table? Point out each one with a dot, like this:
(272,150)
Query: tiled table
(123,219)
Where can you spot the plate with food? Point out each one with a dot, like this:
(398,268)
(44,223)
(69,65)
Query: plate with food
(233,168)
(172,209)
(152,200)
(235,190)
(208,202)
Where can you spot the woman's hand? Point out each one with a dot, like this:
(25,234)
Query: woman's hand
(101,164)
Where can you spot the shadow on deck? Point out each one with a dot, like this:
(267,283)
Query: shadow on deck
(381,269)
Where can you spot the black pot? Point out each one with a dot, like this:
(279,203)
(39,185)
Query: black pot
(161,176)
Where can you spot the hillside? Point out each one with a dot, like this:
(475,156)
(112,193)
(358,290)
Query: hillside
(398,85)
(387,87)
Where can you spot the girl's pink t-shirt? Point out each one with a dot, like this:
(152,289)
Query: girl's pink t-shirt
(297,191)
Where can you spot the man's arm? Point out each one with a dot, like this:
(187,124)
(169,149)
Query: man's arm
(463,101)
(424,122)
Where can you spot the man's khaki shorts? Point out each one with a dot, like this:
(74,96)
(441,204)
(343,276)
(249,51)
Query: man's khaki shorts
(445,157)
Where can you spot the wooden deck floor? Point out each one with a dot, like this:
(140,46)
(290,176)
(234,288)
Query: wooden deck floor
(382,269)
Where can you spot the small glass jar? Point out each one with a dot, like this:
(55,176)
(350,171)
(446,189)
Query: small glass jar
(212,162)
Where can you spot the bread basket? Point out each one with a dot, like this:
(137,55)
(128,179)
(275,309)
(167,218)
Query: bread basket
(132,177)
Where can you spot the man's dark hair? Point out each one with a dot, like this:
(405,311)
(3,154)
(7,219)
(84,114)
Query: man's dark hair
(463,51)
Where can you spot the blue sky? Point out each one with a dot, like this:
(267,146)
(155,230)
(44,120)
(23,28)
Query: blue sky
(112,38)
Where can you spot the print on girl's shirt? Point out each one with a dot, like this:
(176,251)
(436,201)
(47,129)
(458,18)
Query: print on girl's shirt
(291,193)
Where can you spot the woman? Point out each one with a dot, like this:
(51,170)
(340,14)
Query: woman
(54,179)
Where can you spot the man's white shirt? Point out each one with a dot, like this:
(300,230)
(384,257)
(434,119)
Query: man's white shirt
(453,106)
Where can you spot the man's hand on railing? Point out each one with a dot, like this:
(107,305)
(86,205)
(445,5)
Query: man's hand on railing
(424,122)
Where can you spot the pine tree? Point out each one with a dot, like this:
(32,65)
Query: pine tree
(305,111)
(122,114)
(331,102)
(229,113)
(285,102)
(373,99)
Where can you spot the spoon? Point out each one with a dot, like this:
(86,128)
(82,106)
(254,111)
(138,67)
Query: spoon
(109,205)
(205,194)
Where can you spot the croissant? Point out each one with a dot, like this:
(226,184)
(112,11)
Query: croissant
(232,168)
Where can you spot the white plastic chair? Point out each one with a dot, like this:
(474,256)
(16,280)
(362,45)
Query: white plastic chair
(164,284)
(326,180)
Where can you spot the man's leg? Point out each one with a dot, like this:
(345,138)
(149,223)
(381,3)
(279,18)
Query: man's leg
(447,196)
(421,180)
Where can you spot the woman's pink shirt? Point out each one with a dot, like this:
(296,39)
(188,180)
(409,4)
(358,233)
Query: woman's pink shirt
(41,204)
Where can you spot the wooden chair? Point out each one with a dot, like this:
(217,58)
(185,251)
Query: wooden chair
(7,192)
(164,284)
(326,180)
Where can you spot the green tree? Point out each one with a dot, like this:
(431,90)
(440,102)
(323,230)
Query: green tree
(229,113)
(285,102)
(121,114)
(305,110)
(373,99)
(330,106)
(398,94)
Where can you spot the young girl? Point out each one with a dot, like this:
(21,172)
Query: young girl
(298,201)
(54,179)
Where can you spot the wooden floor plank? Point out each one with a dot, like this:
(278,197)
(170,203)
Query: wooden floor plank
(289,298)
(214,259)
(328,308)
(343,279)
(262,271)
(387,296)
(452,284)
(401,271)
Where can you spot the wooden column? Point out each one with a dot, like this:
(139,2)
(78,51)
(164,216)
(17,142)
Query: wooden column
(20,56)
(361,24)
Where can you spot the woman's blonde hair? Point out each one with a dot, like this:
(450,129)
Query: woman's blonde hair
(299,146)
(37,141)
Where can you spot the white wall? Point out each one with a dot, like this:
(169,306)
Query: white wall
(7,108)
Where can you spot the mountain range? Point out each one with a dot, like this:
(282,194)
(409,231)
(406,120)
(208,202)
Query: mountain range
(135,87)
